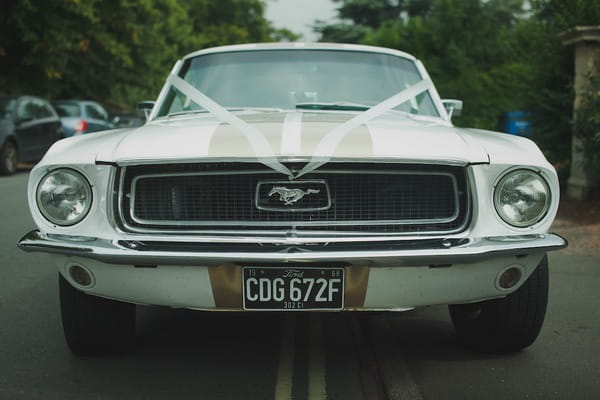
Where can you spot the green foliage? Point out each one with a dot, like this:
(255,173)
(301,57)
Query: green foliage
(562,15)
(370,12)
(117,52)
(548,82)
(587,126)
(341,32)
(550,76)
(478,68)
(496,55)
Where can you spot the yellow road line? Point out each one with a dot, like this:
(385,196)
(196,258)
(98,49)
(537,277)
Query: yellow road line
(316,368)
(285,369)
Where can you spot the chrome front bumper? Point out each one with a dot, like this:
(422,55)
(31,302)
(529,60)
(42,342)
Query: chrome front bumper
(431,252)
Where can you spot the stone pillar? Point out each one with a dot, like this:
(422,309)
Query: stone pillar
(586,40)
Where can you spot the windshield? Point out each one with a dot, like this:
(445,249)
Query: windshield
(299,79)
(67,109)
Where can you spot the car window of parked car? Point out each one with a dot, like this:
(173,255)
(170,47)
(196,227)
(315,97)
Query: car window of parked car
(95,112)
(67,109)
(43,110)
(26,110)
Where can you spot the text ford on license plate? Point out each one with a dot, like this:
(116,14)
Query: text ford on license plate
(293,289)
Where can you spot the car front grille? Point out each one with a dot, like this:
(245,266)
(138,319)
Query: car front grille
(352,197)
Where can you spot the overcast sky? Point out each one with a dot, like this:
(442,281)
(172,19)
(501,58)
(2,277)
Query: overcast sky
(299,15)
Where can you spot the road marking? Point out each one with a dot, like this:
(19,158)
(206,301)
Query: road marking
(316,367)
(369,375)
(285,369)
(398,381)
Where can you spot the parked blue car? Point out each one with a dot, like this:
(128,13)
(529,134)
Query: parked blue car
(79,117)
(28,127)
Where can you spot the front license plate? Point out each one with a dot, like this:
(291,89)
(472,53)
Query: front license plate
(293,289)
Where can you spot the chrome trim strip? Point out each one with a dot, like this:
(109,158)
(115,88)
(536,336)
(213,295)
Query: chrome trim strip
(120,193)
(469,250)
(312,235)
(283,224)
(113,198)
(286,235)
(303,159)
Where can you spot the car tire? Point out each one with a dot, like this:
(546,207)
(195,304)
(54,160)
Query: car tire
(508,324)
(8,158)
(95,326)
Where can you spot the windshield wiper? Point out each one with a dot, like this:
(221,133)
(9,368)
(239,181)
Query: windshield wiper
(264,109)
(341,106)
(175,114)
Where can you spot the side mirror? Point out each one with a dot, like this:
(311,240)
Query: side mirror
(453,107)
(144,108)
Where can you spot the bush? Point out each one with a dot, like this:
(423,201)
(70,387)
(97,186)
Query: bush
(587,127)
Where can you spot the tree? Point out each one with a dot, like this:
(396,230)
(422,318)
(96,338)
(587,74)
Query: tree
(360,17)
(587,126)
(115,51)
(496,55)
(550,72)
(479,68)
(93,49)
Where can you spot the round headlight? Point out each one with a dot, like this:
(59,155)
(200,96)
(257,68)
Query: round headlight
(522,198)
(64,197)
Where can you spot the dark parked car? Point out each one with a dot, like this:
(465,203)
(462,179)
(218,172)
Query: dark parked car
(80,117)
(28,127)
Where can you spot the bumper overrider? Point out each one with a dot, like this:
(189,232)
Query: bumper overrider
(378,275)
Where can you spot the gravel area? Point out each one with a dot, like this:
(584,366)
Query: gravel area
(579,223)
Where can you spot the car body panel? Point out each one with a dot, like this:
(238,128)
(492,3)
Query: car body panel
(367,288)
(207,137)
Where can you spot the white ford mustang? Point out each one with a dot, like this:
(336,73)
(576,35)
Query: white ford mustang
(297,177)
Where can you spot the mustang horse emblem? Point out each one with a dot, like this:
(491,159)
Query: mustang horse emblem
(290,196)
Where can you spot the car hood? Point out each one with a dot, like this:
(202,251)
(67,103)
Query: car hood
(292,135)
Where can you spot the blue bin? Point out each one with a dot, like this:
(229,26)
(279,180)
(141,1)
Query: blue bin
(517,123)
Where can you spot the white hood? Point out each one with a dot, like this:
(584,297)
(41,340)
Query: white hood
(295,135)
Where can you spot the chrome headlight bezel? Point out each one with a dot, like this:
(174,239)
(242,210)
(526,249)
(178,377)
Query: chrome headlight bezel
(85,188)
(543,189)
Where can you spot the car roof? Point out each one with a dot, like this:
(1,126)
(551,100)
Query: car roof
(300,46)
(77,102)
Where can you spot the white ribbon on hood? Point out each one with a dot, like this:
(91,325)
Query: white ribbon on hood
(257,140)
(331,140)
(326,146)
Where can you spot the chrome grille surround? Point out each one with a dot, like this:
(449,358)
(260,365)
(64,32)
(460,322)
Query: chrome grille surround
(142,207)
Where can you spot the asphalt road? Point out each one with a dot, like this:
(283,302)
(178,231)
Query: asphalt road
(184,354)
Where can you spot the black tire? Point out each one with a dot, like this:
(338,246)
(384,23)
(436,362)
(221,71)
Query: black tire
(93,325)
(508,324)
(8,158)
